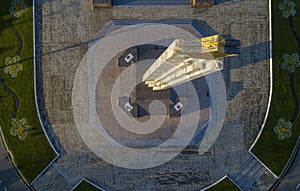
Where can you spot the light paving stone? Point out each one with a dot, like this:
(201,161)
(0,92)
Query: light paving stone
(68,26)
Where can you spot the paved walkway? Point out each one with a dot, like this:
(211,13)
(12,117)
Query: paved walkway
(9,178)
(292,179)
(69,23)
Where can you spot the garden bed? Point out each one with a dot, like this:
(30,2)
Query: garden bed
(85,186)
(224,185)
(19,120)
(281,130)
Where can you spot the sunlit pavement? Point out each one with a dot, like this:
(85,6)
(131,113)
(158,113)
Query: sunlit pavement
(246,77)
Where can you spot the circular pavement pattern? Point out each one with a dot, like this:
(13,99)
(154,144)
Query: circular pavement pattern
(93,132)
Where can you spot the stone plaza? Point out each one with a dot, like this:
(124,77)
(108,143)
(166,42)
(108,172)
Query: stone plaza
(69,29)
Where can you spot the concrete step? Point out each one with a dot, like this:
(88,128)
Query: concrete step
(253,176)
(243,173)
(53,180)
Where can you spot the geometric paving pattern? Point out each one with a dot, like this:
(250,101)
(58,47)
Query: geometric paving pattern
(68,26)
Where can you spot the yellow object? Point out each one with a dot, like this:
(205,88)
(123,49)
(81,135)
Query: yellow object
(202,3)
(215,45)
(185,60)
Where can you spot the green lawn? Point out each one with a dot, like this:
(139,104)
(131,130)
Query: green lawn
(85,186)
(224,185)
(273,152)
(34,153)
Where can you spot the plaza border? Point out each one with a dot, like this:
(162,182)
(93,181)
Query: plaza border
(270,94)
(296,147)
(36,100)
(41,122)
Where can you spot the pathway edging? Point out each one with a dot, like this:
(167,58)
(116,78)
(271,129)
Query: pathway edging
(35,97)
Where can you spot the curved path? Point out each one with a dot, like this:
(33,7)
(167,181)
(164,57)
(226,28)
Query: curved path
(9,178)
(14,96)
(296,112)
(291,181)
(14,30)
